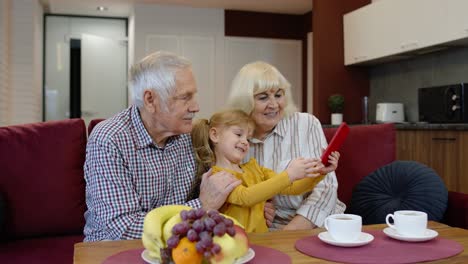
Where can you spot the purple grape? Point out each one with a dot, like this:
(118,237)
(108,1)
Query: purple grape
(192,235)
(220,229)
(199,247)
(209,224)
(212,212)
(228,222)
(231,231)
(217,218)
(215,249)
(207,254)
(183,215)
(191,215)
(199,213)
(173,241)
(206,241)
(198,226)
(180,228)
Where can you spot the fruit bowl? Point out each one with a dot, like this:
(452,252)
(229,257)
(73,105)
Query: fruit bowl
(244,259)
(180,234)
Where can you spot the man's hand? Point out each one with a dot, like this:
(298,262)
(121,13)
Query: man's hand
(215,188)
(269,213)
(299,223)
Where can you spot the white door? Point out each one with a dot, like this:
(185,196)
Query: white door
(103,77)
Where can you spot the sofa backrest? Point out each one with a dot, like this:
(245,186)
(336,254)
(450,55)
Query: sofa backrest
(367,148)
(92,124)
(42,179)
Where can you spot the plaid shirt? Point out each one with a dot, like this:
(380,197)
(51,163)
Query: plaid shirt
(127,175)
(299,135)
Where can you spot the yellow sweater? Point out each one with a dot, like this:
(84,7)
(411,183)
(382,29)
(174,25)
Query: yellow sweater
(246,202)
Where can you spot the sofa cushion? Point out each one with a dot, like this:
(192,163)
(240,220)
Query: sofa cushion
(366,148)
(401,185)
(39,250)
(2,216)
(42,178)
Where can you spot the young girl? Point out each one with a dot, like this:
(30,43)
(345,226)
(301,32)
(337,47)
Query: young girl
(221,144)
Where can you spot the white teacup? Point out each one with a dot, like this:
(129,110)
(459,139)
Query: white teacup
(344,227)
(408,223)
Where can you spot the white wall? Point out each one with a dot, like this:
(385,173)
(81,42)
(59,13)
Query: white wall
(131,47)
(25,55)
(4,62)
(196,33)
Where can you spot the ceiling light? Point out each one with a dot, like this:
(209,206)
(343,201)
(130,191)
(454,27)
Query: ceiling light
(102,8)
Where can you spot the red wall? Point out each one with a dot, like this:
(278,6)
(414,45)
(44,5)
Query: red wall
(329,73)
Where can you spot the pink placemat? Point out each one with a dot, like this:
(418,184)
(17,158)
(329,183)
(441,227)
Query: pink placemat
(266,255)
(263,255)
(382,250)
(125,257)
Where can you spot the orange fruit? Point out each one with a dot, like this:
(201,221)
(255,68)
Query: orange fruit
(186,253)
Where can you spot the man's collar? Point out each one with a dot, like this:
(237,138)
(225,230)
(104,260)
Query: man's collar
(142,136)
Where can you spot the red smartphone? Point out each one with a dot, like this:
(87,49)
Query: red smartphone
(336,142)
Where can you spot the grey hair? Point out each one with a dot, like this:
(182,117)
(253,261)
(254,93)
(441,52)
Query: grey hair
(255,78)
(157,72)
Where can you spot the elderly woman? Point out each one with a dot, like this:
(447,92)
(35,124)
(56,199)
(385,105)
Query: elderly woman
(282,134)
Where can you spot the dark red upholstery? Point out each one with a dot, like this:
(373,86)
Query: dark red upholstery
(42,179)
(457,210)
(367,148)
(92,124)
(40,250)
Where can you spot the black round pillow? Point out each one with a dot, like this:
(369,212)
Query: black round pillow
(400,185)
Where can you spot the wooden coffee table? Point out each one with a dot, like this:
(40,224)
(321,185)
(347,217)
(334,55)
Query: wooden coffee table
(97,252)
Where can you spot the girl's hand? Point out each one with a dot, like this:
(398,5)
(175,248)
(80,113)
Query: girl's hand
(333,163)
(300,168)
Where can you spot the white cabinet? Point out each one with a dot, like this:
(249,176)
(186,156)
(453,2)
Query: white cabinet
(387,28)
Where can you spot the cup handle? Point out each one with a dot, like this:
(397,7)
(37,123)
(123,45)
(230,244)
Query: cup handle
(325,223)
(388,223)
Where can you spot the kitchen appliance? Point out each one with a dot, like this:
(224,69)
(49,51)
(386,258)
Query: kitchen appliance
(443,104)
(390,113)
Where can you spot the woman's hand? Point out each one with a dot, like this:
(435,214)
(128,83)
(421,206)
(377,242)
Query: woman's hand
(300,168)
(215,188)
(269,212)
(333,162)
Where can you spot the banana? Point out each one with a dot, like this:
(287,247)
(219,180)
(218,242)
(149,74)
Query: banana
(167,229)
(154,251)
(153,224)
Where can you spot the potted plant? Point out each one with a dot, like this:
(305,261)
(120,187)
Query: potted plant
(336,104)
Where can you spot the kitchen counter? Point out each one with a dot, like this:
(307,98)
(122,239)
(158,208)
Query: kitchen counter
(420,126)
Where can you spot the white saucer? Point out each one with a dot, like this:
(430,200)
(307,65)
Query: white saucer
(364,238)
(428,235)
(246,258)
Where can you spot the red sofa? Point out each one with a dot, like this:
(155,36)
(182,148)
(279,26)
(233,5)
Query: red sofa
(43,189)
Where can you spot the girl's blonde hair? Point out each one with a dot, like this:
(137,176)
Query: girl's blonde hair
(202,145)
(255,78)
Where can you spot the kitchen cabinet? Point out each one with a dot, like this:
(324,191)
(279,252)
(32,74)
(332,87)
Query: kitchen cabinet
(389,28)
(445,151)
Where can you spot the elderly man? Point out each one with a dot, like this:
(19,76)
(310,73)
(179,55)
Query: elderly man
(142,158)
